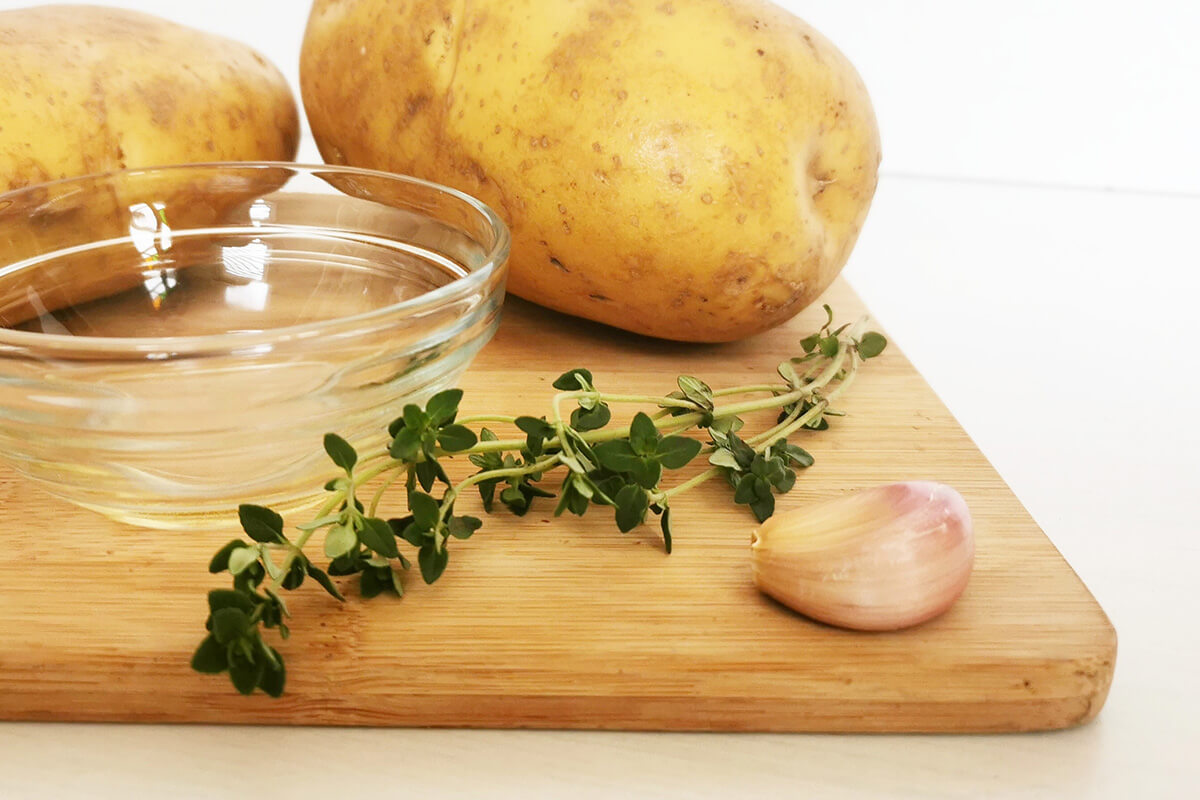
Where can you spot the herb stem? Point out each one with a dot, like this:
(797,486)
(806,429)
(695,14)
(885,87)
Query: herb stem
(753,388)
(486,418)
(492,474)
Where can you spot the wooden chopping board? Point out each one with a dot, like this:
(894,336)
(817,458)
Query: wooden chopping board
(565,623)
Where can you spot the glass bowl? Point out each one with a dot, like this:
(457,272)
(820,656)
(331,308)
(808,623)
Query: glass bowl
(176,341)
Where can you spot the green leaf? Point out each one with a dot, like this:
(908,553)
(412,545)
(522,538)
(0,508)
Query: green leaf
(723,458)
(809,343)
(569,382)
(377,535)
(245,674)
(536,431)
(463,527)
(414,534)
(425,510)
(675,452)
(744,492)
(241,559)
(871,345)
(339,541)
(794,454)
(829,346)
(397,581)
(443,406)
(406,445)
(697,391)
(230,598)
(250,577)
(395,426)
(647,472)
(428,472)
(763,507)
(760,467)
(616,455)
(643,436)
(369,584)
(487,494)
(743,452)
(274,676)
(220,561)
(828,315)
(260,524)
(666,529)
(229,623)
(786,482)
(456,438)
(728,424)
(210,657)
(632,504)
(415,419)
(762,487)
(432,561)
(583,419)
(788,373)
(340,452)
(295,574)
(320,576)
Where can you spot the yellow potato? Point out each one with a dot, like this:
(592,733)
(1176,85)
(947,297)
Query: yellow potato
(87,89)
(90,90)
(690,169)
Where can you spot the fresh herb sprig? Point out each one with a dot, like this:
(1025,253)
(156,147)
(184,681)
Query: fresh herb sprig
(619,467)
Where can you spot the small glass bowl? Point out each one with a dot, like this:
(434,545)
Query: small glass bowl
(176,341)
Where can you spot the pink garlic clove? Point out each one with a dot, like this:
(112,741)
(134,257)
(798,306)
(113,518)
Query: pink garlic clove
(879,559)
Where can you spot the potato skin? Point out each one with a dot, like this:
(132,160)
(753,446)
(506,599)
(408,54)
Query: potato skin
(688,169)
(87,89)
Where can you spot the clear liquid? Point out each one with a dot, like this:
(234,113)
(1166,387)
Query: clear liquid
(250,280)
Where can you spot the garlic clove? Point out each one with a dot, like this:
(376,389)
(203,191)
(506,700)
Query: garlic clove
(879,559)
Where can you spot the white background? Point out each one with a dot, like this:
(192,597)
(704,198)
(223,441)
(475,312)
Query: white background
(1033,249)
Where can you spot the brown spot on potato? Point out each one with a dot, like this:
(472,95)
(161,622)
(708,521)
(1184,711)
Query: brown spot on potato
(562,209)
(706,198)
(616,159)
(741,219)
(600,298)
(413,105)
(574,94)
(676,178)
(558,264)
(667,8)
(496,129)
(596,146)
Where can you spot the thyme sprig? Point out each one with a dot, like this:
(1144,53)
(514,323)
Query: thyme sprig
(620,467)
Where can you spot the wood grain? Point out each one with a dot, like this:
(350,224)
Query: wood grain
(566,623)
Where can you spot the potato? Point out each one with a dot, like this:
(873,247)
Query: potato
(690,169)
(90,90)
(87,89)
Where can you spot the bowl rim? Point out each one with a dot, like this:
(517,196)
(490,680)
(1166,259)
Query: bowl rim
(14,342)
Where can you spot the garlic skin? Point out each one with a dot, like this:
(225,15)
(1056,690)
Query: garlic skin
(880,559)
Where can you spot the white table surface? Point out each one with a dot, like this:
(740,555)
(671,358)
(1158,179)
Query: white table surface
(1056,323)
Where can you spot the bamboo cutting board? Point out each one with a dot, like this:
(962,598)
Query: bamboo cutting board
(566,623)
